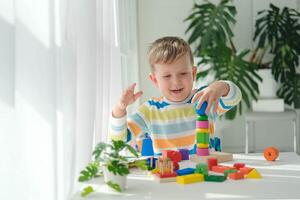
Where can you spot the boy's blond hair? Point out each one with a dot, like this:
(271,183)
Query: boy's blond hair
(168,50)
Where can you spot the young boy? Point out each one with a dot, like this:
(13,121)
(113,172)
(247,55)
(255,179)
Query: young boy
(170,120)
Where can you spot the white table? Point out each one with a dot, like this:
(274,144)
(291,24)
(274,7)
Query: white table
(281,179)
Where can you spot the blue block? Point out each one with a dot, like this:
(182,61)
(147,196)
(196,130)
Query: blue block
(202,109)
(185,171)
(147,147)
(148,162)
(218,144)
(215,143)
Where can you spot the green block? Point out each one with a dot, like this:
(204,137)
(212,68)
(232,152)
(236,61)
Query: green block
(214,178)
(203,138)
(202,168)
(202,118)
(229,171)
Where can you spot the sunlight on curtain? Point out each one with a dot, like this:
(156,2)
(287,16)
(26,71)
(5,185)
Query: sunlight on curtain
(60,75)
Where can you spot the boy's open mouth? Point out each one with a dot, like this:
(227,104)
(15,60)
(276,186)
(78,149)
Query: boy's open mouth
(177,91)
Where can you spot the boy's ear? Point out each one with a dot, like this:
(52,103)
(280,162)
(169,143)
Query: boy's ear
(194,72)
(153,79)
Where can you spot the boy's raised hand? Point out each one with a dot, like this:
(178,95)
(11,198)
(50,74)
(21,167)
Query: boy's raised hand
(128,97)
(211,94)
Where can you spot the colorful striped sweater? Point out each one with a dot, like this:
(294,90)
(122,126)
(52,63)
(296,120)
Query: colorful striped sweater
(171,125)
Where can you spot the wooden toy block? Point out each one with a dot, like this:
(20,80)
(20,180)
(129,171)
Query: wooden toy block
(253,174)
(151,163)
(185,171)
(202,151)
(214,178)
(236,176)
(202,146)
(202,130)
(202,138)
(202,124)
(165,180)
(202,109)
(166,175)
(154,171)
(173,155)
(202,118)
(245,170)
(222,156)
(147,147)
(238,165)
(220,168)
(185,154)
(229,171)
(271,153)
(191,178)
(212,162)
(202,168)
(175,166)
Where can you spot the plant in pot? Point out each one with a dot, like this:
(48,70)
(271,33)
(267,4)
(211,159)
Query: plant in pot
(277,33)
(210,28)
(109,160)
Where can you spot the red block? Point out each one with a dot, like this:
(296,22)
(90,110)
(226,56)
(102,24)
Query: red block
(245,170)
(239,165)
(220,168)
(166,175)
(212,162)
(236,176)
(175,166)
(173,155)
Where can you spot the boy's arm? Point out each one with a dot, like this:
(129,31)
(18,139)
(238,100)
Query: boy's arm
(220,95)
(129,128)
(232,98)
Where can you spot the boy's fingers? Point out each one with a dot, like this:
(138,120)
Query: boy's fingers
(132,87)
(209,103)
(197,96)
(137,95)
(216,105)
(200,102)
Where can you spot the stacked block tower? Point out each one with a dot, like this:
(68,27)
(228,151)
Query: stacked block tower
(202,130)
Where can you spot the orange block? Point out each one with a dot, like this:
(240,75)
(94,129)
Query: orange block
(245,170)
(220,168)
(236,176)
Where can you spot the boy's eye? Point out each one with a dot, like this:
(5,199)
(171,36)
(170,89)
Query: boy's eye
(167,76)
(184,73)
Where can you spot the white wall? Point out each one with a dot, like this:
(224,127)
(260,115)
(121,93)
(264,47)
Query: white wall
(159,18)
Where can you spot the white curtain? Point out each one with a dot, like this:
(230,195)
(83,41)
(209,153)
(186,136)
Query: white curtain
(60,74)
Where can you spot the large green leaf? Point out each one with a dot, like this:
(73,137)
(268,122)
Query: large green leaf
(290,90)
(211,33)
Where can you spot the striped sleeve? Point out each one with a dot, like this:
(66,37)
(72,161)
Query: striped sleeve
(233,97)
(128,128)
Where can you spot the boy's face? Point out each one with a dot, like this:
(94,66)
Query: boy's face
(174,80)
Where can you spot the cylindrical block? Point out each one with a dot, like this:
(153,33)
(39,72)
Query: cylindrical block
(202,124)
(202,152)
(202,130)
(202,138)
(202,118)
(201,145)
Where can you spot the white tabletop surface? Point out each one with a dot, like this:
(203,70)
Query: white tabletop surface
(281,180)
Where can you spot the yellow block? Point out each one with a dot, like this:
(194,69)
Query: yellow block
(202,146)
(154,171)
(202,130)
(253,174)
(191,178)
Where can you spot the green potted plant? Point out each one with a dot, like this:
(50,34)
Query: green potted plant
(109,160)
(277,33)
(210,29)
